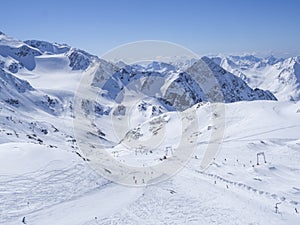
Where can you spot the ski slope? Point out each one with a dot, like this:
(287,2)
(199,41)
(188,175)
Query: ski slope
(52,186)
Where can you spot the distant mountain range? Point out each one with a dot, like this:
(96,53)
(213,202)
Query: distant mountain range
(280,76)
(19,58)
(38,76)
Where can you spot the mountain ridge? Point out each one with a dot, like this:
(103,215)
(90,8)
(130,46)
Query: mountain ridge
(280,76)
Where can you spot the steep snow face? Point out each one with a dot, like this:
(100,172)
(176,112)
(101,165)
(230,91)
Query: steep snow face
(280,76)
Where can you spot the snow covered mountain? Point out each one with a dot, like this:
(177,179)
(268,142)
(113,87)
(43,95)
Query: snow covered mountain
(17,54)
(280,76)
(182,91)
(21,95)
(234,88)
(46,179)
(33,57)
(163,87)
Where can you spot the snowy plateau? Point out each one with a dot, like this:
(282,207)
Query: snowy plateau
(46,178)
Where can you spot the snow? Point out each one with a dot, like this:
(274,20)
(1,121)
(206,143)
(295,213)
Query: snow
(48,48)
(21,158)
(46,178)
(52,69)
(19,51)
(97,203)
(190,196)
(280,76)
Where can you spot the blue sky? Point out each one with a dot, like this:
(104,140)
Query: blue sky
(219,26)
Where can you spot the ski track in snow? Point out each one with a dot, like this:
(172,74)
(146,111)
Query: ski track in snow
(38,190)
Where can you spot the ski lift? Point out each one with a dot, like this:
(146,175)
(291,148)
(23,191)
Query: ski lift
(260,154)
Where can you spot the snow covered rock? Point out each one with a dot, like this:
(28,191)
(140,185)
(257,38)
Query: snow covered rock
(12,83)
(47,47)
(280,76)
(175,88)
(19,51)
(234,88)
(19,93)
(79,60)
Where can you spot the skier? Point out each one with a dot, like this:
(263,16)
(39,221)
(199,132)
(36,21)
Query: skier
(276,207)
(24,220)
